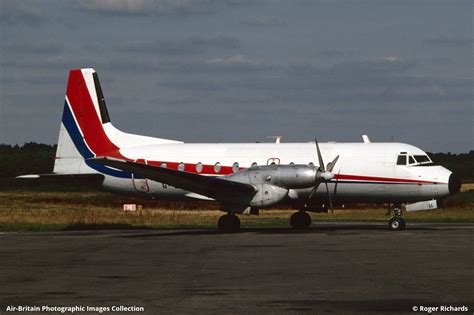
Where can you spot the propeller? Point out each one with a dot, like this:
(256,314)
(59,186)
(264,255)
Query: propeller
(323,174)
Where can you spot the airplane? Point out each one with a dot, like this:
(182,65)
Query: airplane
(240,176)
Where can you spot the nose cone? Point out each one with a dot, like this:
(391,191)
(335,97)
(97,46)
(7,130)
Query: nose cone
(454,184)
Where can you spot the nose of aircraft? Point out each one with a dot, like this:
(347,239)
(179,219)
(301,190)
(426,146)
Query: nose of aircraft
(454,184)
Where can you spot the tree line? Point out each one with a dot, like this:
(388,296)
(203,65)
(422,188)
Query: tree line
(30,158)
(38,158)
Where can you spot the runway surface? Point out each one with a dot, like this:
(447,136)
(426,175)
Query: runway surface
(331,268)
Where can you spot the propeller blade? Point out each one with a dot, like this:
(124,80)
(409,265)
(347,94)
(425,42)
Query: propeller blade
(323,175)
(335,186)
(332,164)
(329,197)
(315,188)
(320,157)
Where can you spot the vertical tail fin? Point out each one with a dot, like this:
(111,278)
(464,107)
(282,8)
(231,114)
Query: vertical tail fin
(86,130)
(86,103)
(82,133)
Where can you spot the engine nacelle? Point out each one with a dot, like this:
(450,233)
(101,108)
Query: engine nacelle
(268,195)
(285,176)
(273,182)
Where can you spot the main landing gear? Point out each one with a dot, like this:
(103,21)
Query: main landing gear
(229,223)
(396,223)
(300,220)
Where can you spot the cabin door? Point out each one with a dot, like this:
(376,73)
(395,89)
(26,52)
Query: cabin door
(139,183)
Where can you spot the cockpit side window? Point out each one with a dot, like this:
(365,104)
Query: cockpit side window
(402,160)
(411,160)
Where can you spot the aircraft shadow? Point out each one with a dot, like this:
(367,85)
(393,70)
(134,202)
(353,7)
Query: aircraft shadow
(105,227)
(319,229)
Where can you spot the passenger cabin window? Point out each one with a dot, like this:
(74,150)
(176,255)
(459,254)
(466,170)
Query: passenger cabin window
(199,167)
(163,165)
(235,167)
(402,160)
(181,166)
(254,164)
(217,167)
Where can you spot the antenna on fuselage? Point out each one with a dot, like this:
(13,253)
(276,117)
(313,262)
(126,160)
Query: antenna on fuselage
(277,138)
(366,139)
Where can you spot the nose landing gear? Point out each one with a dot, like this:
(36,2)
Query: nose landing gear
(396,223)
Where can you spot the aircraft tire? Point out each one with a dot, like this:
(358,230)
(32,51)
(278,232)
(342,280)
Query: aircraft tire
(228,223)
(396,224)
(300,220)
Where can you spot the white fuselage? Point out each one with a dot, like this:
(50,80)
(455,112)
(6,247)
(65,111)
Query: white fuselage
(365,172)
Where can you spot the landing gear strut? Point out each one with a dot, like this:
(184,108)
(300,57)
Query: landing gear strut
(229,223)
(300,220)
(396,223)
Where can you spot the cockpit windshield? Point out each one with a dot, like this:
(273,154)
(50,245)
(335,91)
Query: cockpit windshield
(413,160)
(422,159)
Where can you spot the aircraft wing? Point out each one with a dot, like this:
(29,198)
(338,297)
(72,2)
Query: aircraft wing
(212,187)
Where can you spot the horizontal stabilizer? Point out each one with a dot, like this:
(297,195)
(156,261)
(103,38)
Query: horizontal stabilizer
(64,178)
(212,187)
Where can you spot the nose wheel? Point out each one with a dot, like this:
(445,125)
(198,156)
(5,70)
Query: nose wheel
(228,223)
(300,220)
(396,223)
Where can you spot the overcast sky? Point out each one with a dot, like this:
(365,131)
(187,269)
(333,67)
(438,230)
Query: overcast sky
(242,70)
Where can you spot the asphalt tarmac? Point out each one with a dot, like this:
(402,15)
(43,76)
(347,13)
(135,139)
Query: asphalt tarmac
(331,268)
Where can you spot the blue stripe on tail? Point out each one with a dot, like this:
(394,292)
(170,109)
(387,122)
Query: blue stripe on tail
(75,134)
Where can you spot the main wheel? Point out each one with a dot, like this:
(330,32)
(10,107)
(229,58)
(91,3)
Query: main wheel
(396,224)
(229,223)
(300,220)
